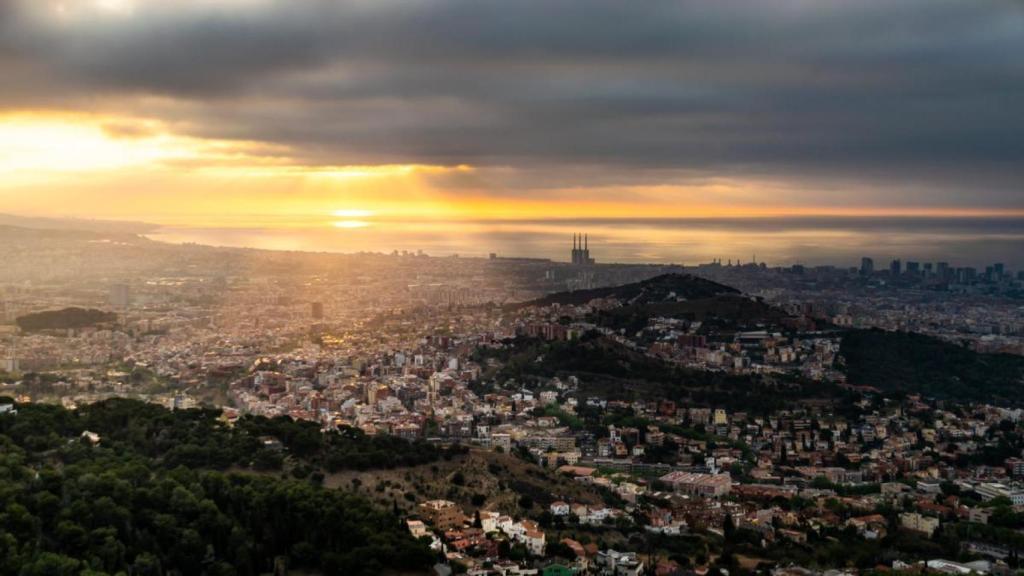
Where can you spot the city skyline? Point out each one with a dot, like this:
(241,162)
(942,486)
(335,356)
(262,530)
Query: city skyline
(782,241)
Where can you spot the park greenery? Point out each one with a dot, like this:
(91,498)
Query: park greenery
(65,319)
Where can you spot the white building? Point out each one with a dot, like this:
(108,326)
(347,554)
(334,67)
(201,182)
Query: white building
(559,508)
(613,563)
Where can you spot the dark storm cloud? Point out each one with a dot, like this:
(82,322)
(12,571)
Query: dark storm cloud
(921,91)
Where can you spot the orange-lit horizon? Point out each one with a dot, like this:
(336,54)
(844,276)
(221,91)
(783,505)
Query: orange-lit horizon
(96,166)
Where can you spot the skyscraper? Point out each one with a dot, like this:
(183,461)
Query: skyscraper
(895,268)
(867,266)
(120,296)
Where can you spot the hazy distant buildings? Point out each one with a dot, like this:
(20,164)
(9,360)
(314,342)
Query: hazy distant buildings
(120,296)
(939,273)
(10,363)
(317,310)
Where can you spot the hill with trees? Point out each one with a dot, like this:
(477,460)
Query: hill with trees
(723,312)
(155,492)
(608,369)
(914,363)
(720,308)
(66,319)
(664,288)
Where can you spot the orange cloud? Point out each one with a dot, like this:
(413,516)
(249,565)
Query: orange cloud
(123,167)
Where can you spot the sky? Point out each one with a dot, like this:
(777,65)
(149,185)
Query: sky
(294,114)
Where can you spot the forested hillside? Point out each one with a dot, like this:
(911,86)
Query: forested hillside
(151,497)
(915,363)
(610,370)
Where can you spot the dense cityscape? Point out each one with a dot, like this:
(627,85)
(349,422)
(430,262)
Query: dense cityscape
(606,419)
(511,288)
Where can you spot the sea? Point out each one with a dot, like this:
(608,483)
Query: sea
(776,241)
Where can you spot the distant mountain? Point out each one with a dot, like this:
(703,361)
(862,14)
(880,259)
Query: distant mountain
(664,288)
(65,224)
(919,364)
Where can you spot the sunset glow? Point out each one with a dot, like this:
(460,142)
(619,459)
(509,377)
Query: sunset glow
(82,158)
(353,213)
(40,144)
(314,133)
